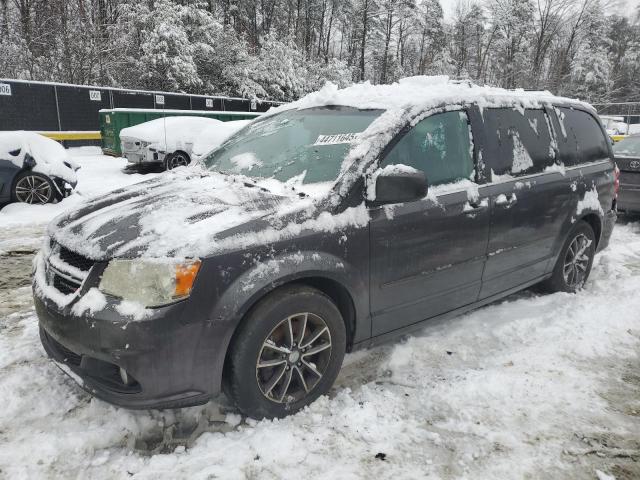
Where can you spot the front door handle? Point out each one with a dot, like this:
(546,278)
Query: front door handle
(476,206)
(506,201)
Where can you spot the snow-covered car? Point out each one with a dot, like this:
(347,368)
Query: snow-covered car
(213,136)
(34,169)
(329,224)
(170,141)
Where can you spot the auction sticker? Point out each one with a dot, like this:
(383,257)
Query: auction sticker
(5,89)
(337,139)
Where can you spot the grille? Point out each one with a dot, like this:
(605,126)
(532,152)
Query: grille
(64,285)
(75,259)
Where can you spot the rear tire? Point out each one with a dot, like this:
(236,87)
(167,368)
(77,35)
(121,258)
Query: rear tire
(286,354)
(574,263)
(34,188)
(176,159)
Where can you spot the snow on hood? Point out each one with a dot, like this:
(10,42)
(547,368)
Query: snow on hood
(170,131)
(212,136)
(51,158)
(185,213)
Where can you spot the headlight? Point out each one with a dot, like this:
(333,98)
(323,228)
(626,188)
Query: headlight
(150,282)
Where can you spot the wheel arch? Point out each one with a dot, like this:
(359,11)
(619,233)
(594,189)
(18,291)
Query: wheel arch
(594,220)
(334,289)
(331,287)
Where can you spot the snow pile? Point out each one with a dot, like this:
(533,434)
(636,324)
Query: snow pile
(50,157)
(535,386)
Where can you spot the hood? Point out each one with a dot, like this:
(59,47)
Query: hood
(177,214)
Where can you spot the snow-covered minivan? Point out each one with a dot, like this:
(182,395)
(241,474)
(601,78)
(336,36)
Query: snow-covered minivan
(332,223)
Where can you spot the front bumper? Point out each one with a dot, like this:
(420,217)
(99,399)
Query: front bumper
(165,359)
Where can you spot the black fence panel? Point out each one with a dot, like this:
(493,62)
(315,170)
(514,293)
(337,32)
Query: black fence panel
(42,106)
(173,102)
(204,103)
(263,106)
(79,107)
(126,99)
(236,105)
(27,106)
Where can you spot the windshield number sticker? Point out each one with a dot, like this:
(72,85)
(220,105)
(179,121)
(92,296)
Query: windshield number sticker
(5,89)
(95,95)
(159,99)
(337,139)
(209,102)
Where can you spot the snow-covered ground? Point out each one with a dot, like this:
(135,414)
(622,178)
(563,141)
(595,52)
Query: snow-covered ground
(536,386)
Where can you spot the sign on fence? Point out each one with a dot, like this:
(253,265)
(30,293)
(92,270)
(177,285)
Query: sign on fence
(5,89)
(95,95)
(159,99)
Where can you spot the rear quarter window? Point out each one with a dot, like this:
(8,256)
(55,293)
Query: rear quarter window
(518,143)
(580,137)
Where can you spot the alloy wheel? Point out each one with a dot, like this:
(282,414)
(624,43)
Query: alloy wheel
(576,261)
(33,189)
(293,358)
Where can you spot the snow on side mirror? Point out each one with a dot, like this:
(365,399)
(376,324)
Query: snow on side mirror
(397,184)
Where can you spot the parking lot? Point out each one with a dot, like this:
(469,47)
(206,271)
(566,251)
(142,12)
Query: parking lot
(535,386)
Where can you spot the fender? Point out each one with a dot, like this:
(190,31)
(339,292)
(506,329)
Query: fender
(267,274)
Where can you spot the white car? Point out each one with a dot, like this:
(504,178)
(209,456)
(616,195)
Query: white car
(170,141)
(34,169)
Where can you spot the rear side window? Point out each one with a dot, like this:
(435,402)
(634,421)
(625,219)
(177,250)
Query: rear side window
(517,143)
(580,138)
(439,145)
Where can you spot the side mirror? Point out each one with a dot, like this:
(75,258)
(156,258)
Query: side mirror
(399,184)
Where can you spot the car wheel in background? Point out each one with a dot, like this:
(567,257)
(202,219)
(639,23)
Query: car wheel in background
(574,263)
(34,188)
(286,354)
(176,159)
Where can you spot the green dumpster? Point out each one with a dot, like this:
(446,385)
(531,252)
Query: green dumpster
(112,121)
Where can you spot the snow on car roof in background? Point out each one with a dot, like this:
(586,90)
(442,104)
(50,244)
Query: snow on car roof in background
(184,128)
(212,136)
(51,158)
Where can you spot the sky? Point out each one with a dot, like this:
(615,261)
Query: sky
(628,7)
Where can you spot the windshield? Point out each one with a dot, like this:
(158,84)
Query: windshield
(629,147)
(303,146)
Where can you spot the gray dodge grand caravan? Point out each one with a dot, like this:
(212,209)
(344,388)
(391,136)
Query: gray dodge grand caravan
(332,223)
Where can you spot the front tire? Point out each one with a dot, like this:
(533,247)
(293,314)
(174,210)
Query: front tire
(573,266)
(34,188)
(286,354)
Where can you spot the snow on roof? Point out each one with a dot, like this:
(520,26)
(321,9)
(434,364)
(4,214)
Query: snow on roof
(424,92)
